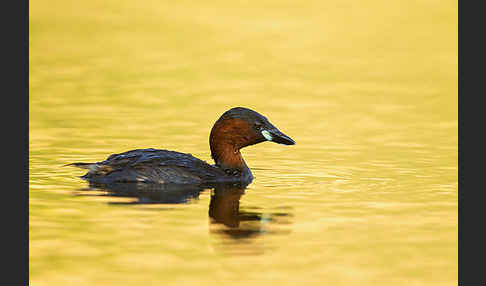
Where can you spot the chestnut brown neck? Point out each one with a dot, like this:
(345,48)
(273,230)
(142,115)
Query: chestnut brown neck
(227,137)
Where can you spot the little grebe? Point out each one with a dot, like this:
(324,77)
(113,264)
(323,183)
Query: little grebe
(235,129)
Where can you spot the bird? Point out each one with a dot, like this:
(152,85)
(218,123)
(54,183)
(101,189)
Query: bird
(237,128)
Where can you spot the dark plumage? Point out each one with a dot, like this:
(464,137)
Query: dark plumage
(154,166)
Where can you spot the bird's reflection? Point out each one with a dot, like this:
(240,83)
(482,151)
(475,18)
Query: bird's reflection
(226,217)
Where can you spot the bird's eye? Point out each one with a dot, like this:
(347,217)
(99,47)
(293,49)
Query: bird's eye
(258,126)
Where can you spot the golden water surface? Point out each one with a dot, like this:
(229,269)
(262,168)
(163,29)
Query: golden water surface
(367,89)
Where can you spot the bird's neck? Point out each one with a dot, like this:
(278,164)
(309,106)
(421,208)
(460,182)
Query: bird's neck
(228,157)
(225,146)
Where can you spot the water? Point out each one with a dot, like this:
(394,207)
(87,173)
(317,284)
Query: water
(367,196)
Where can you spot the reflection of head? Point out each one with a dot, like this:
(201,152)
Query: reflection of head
(224,208)
(225,204)
(226,217)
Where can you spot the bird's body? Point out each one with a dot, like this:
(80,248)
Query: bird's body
(155,166)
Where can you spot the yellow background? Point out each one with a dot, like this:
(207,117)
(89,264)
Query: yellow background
(367,89)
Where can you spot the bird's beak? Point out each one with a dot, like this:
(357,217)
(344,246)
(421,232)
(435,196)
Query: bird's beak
(276,136)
